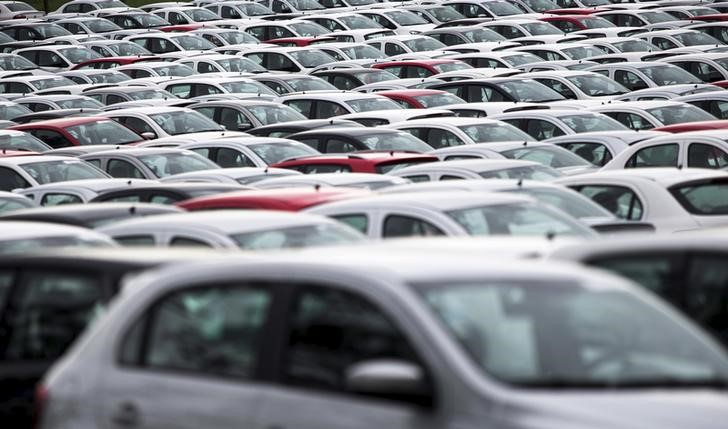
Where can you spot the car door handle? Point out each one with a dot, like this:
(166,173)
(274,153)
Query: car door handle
(127,415)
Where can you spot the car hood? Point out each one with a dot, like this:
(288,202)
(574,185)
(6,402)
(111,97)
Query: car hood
(638,409)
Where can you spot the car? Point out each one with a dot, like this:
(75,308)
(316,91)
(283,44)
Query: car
(57,58)
(245,229)
(54,114)
(376,118)
(284,199)
(635,18)
(421,98)
(462,35)
(477,169)
(672,200)
(285,129)
(162,43)
(222,37)
(80,131)
(596,33)
(164,193)
(18,10)
(238,9)
(577,65)
(94,77)
(485,8)
(342,21)
(708,67)
(88,25)
(452,214)
(221,63)
(601,147)
(140,20)
(360,162)
(353,139)
(148,163)
(16,86)
(667,92)
(344,51)
(498,59)
(328,105)
(351,78)
(669,39)
(34,31)
(645,115)
(87,216)
(199,86)
(18,140)
(287,59)
(18,172)
(76,191)
(580,85)
(153,69)
(11,201)
(636,76)
(400,21)
(119,94)
(703,149)
(54,102)
(293,83)
(513,28)
(715,103)
(113,61)
(573,23)
(243,115)
(350,180)
(360,36)
(239,176)
(718,30)
(250,151)
(561,51)
(545,124)
(446,132)
(694,126)
(393,46)
(513,89)
(421,68)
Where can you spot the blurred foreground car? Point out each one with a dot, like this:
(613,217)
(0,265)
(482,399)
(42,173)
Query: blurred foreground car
(427,353)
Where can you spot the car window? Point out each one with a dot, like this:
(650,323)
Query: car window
(360,222)
(53,139)
(334,145)
(559,87)
(631,120)
(7,278)
(630,80)
(57,199)
(663,155)
(162,199)
(231,158)
(706,156)
(541,130)
(133,240)
(596,153)
(48,312)
(439,138)
(121,168)
(187,242)
(325,168)
(619,200)
(331,330)
(408,226)
(707,292)
(208,330)
(658,273)
(10,180)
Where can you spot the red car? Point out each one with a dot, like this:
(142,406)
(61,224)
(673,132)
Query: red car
(716,17)
(111,62)
(569,23)
(288,199)
(80,131)
(694,126)
(421,98)
(357,162)
(421,68)
(301,41)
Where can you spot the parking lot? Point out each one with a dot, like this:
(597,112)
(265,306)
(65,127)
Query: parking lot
(355,214)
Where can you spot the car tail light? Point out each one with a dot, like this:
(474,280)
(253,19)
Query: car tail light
(39,402)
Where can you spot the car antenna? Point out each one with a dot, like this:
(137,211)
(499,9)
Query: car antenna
(266,170)
(317,187)
(132,210)
(520,182)
(129,183)
(525,143)
(679,166)
(550,236)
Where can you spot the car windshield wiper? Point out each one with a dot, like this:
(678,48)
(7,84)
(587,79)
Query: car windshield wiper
(672,383)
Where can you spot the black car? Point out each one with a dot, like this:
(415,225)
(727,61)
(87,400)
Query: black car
(515,89)
(345,140)
(166,193)
(287,128)
(88,216)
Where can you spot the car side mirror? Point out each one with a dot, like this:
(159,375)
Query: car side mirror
(389,378)
(148,135)
(245,126)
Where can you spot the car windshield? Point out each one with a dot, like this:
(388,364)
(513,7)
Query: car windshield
(148,20)
(249,87)
(531,172)
(528,90)
(551,155)
(541,5)
(254,9)
(310,84)
(584,123)
(102,132)
(306,4)
(43,243)
(369,104)
(635,46)
(150,94)
(670,115)
(707,198)
(101,25)
(669,75)
(238,37)
(272,153)
(22,141)
(62,171)
(78,55)
(79,103)
(179,70)
(596,85)
(542,29)
(516,60)
(358,22)
(308,29)
(560,334)
(694,38)
(111,77)
(128,49)
(240,64)
(193,43)
(8,112)
(482,35)
(596,22)
(494,132)
(655,17)
(702,11)
(566,200)
(435,100)
(310,58)
(405,18)
(18,6)
(296,237)
(374,76)
(167,164)
(268,114)
(201,15)
(422,44)
(51,30)
(455,66)
(444,13)
(501,8)
(16,62)
(581,52)
(517,219)
(363,52)
(395,141)
(184,122)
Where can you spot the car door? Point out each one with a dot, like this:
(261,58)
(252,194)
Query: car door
(322,341)
(204,342)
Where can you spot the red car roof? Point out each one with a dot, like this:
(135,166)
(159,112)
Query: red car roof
(694,126)
(711,18)
(59,123)
(288,199)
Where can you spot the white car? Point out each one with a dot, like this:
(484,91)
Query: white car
(232,229)
(672,200)
(26,171)
(17,10)
(601,147)
(454,213)
(222,63)
(645,115)
(147,69)
(669,39)
(713,102)
(477,169)
(446,132)
(164,43)
(239,176)
(376,118)
(581,85)
(545,124)
(668,92)
(21,236)
(561,51)
(57,58)
(291,60)
(249,151)
(701,149)
(490,108)
(327,105)
(398,20)
(513,28)
(642,75)
(369,181)
(77,191)
(393,46)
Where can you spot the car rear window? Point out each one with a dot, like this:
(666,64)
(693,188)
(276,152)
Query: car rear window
(709,198)
(386,167)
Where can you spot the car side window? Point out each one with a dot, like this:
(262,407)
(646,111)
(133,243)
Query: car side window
(359,222)
(233,119)
(663,43)
(123,169)
(707,292)
(596,153)
(541,130)
(331,330)
(113,99)
(48,312)
(277,87)
(408,226)
(57,199)
(630,80)
(182,90)
(133,240)
(301,106)
(179,241)
(328,109)
(663,155)
(139,126)
(559,87)
(231,158)
(418,178)
(619,200)
(213,331)
(631,120)
(339,146)
(52,138)
(439,138)
(706,156)
(10,180)
(326,168)
(392,49)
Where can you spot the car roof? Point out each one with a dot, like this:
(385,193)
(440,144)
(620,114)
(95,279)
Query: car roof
(291,199)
